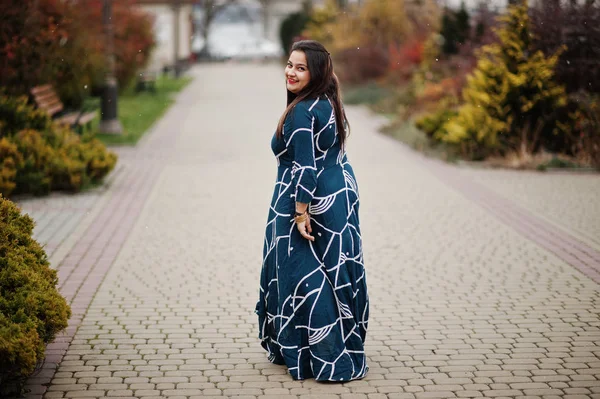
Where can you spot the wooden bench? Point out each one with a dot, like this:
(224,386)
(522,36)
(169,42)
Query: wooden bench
(45,98)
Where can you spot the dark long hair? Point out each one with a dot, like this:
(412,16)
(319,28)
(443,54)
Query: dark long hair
(323,81)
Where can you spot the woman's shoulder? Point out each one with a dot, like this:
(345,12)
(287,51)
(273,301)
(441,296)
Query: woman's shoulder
(314,103)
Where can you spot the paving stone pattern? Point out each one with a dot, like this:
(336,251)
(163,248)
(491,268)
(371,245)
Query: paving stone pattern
(570,200)
(462,303)
(60,217)
(579,254)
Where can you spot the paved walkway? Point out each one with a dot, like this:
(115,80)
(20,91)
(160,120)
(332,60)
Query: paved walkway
(482,283)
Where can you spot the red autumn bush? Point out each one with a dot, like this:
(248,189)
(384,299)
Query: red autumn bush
(433,92)
(61,42)
(30,40)
(361,64)
(404,59)
(133,36)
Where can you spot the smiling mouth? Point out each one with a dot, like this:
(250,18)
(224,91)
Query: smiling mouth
(290,81)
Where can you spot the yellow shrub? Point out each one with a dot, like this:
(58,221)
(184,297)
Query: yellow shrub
(99,161)
(32,311)
(34,173)
(78,161)
(512,102)
(10,158)
(37,155)
(322,19)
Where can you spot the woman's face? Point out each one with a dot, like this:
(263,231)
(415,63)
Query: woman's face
(297,75)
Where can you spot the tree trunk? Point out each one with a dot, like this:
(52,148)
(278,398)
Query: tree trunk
(210,10)
(266,8)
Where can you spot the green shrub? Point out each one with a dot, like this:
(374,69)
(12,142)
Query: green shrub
(60,161)
(10,158)
(455,29)
(432,124)
(68,168)
(291,27)
(512,101)
(39,156)
(32,311)
(79,161)
(16,115)
(586,128)
(99,162)
(34,172)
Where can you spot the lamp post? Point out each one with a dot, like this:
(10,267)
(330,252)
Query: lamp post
(109,122)
(176,5)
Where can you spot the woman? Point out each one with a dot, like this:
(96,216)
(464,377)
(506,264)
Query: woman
(313,307)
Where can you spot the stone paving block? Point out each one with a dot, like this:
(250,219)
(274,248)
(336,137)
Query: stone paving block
(261,384)
(528,385)
(502,392)
(469,394)
(84,394)
(120,393)
(212,392)
(435,395)
(320,396)
(181,392)
(453,388)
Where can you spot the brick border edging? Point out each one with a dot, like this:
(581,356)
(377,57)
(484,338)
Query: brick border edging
(574,252)
(84,269)
(89,260)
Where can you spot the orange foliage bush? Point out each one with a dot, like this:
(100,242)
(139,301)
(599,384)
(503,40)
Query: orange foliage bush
(375,37)
(405,58)
(61,42)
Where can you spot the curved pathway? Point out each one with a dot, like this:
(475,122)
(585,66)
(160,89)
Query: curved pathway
(477,288)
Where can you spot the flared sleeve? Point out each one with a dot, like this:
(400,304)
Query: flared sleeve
(298,135)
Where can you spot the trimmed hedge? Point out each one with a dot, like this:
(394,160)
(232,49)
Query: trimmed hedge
(9,159)
(32,311)
(38,156)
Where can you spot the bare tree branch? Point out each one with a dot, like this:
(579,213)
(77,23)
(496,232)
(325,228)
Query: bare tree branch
(211,8)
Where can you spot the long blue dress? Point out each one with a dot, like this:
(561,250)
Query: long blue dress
(313,308)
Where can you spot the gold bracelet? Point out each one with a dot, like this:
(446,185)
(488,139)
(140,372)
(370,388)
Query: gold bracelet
(301,218)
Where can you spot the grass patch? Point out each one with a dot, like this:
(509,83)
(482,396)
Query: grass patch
(369,93)
(558,163)
(541,161)
(409,134)
(138,111)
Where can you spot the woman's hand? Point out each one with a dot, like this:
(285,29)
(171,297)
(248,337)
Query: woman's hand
(305,229)
(302,220)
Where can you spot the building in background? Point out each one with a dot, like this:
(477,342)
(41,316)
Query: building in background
(245,29)
(173,30)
